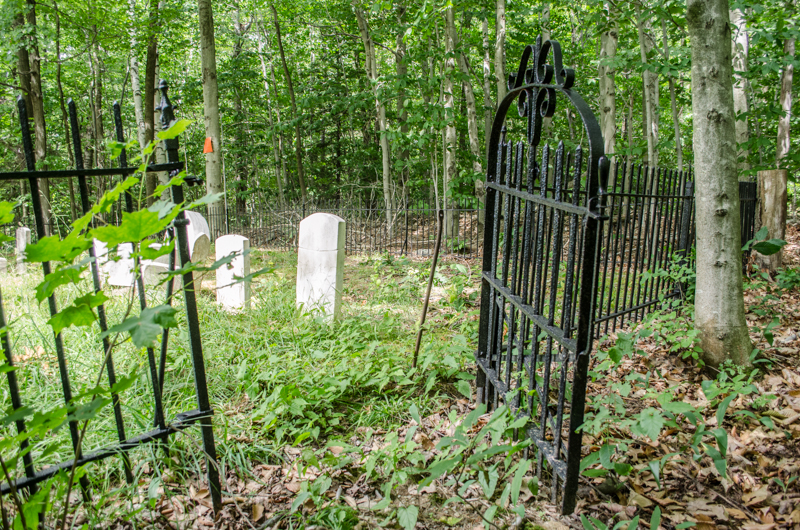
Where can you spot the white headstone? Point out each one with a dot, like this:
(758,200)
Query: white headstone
(23,240)
(199,237)
(3,264)
(233,293)
(320,263)
(121,271)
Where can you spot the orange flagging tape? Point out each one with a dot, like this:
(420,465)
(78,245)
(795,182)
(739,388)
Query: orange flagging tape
(208,147)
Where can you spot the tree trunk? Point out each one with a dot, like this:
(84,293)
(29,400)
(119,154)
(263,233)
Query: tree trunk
(499,51)
(281,141)
(402,77)
(488,107)
(298,138)
(64,116)
(773,184)
(208,57)
(372,73)
(242,131)
(719,306)
(740,52)
(650,83)
(676,124)
(275,152)
(450,167)
(608,88)
(547,123)
(488,117)
(772,190)
(37,104)
(160,154)
(784,138)
(472,110)
(97,129)
(135,82)
(151,179)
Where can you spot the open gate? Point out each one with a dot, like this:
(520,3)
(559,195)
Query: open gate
(540,265)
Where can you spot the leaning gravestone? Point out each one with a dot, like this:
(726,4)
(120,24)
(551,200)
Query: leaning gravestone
(3,265)
(199,237)
(23,240)
(320,263)
(233,293)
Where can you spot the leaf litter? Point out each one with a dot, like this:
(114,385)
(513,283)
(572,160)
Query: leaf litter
(758,492)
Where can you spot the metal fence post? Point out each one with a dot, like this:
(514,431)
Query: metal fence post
(192,320)
(684,245)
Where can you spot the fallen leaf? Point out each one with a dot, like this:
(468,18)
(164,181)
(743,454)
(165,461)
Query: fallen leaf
(258,512)
(640,500)
(757,496)
(739,514)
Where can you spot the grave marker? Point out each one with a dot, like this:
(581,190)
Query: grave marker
(121,271)
(231,293)
(199,237)
(23,240)
(320,263)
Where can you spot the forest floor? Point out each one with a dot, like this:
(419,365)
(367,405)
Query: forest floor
(313,421)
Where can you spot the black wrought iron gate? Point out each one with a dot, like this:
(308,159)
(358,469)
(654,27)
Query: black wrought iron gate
(162,427)
(543,220)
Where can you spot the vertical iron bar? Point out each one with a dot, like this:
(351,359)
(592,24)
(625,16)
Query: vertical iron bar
(596,181)
(33,183)
(16,401)
(158,404)
(605,254)
(619,231)
(83,189)
(192,320)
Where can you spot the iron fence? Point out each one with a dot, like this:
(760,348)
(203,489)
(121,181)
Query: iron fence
(34,469)
(370,228)
(651,228)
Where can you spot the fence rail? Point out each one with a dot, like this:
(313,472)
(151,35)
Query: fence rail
(650,221)
(370,228)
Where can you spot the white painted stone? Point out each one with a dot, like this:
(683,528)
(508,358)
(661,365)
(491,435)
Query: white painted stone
(3,265)
(101,258)
(23,240)
(320,263)
(153,270)
(233,293)
(199,237)
(120,272)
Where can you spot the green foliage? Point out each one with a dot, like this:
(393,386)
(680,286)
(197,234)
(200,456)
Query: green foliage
(67,282)
(614,420)
(762,245)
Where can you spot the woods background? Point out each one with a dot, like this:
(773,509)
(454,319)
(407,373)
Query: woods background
(383,103)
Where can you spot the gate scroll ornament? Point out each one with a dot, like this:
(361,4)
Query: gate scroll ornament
(539,279)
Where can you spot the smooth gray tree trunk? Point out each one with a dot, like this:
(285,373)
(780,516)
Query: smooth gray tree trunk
(740,50)
(719,303)
(208,57)
(499,50)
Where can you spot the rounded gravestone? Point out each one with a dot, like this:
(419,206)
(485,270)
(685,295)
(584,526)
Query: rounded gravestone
(233,292)
(320,263)
(199,237)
